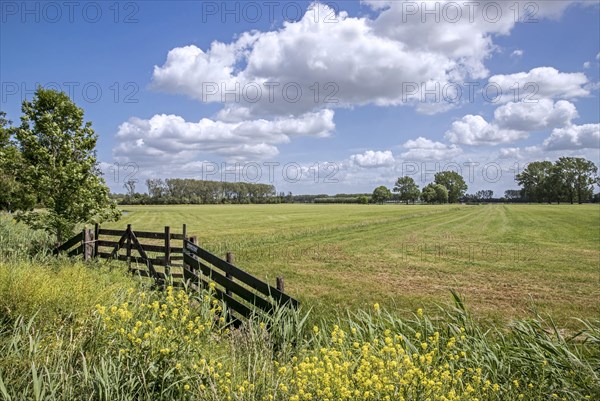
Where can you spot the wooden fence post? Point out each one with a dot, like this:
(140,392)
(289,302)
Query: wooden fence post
(230,259)
(87,244)
(129,246)
(167,251)
(185,231)
(280,284)
(192,240)
(96,238)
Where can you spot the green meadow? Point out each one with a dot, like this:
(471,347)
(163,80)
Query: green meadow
(506,261)
(470,303)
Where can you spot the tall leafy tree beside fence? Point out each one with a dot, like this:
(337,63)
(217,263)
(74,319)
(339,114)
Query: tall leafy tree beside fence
(59,165)
(14,195)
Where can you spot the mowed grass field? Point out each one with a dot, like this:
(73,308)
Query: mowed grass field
(505,260)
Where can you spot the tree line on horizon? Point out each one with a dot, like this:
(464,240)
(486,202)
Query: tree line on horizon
(568,180)
(196,192)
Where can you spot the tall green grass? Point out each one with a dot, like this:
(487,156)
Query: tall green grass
(75,331)
(289,356)
(17,241)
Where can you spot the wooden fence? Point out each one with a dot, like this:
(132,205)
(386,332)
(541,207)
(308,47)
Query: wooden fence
(162,260)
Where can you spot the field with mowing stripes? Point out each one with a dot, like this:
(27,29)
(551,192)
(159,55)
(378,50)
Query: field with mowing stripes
(505,260)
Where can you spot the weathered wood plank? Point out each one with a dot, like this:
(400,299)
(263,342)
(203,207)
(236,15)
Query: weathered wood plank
(111,244)
(96,237)
(231,302)
(229,284)
(120,244)
(148,234)
(128,247)
(241,275)
(154,248)
(70,243)
(167,249)
(154,235)
(140,249)
(114,233)
(76,251)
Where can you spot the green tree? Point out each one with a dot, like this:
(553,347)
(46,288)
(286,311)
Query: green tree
(381,194)
(434,193)
(14,194)
(60,167)
(5,130)
(485,194)
(513,194)
(577,178)
(129,186)
(363,200)
(454,183)
(539,182)
(407,189)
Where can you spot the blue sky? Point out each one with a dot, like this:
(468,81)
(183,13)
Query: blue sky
(153,78)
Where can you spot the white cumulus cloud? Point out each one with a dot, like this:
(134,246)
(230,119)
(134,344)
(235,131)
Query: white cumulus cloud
(169,137)
(426,149)
(372,159)
(353,60)
(476,131)
(539,83)
(573,137)
(535,116)
(512,122)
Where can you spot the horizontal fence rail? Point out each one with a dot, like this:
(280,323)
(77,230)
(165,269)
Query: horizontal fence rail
(243,293)
(76,240)
(200,265)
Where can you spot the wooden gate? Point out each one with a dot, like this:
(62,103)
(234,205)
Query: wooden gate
(160,259)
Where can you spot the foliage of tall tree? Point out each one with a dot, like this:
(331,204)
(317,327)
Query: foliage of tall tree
(570,179)
(381,194)
(407,189)
(59,165)
(454,183)
(513,194)
(14,194)
(537,181)
(129,186)
(484,194)
(577,178)
(5,131)
(434,193)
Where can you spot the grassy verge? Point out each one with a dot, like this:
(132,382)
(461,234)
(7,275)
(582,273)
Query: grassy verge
(118,343)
